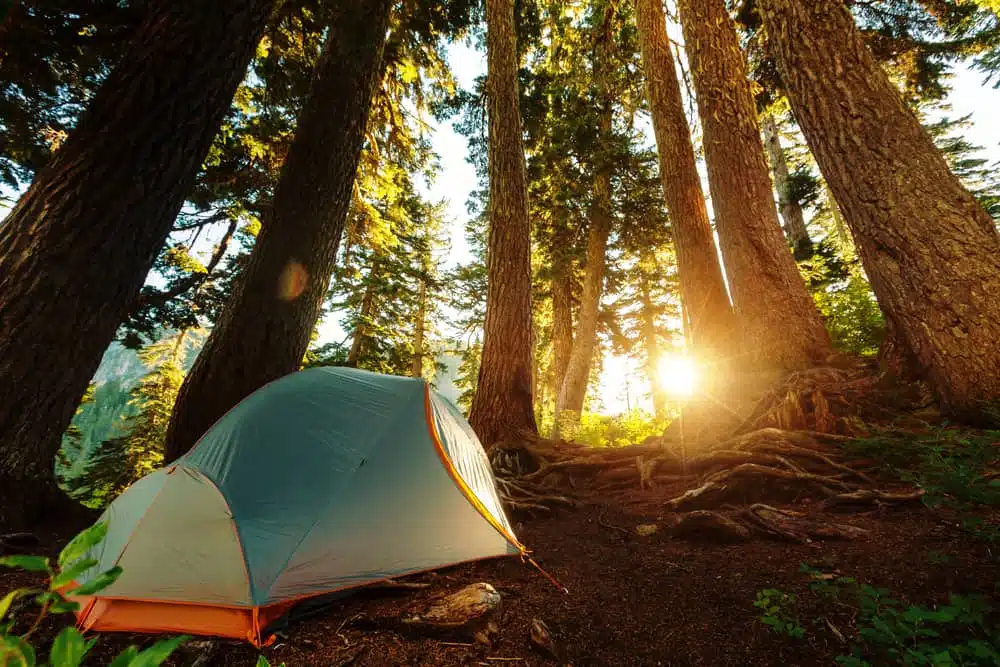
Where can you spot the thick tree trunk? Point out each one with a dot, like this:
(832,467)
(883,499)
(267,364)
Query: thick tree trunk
(76,249)
(709,315)
(503,404)
(417,369)
(930,250)
(791,210)
(264,330)
(781,327)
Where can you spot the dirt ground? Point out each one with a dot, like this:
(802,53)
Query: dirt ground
(633,600)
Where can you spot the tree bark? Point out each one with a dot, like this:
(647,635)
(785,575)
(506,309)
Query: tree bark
(503,406)
(364,315)
(649,338)
(417,369)
(75,250)
(791,210)
(930,250)
(562,318)
(708,314)
(263,332)
(781,327)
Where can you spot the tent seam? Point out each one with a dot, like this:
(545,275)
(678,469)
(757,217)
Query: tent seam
(319,516)
(239,537)
(456,477)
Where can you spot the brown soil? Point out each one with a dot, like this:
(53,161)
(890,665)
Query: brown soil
(633,600)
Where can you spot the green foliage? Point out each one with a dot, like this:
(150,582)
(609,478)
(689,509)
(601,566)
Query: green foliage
(778,612)
(888,631)
(951,465)
(98,474)
(891,633)
(848,306)
(599,430)
(70,647)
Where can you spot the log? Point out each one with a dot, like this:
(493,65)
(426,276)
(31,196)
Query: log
(469,611)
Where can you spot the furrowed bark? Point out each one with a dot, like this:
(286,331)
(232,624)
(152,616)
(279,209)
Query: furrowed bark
(710,319)
(781,327)
(503,406)
(76,249)
(930,250)
(264,330)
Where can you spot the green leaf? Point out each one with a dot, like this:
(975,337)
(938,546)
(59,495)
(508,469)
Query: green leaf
(68,648)
(16,652)
(29,563)
(82,543)
(158,652)
(100,582)
(125,658)
(63,606)
(262,661)
(68,575)
(8,599)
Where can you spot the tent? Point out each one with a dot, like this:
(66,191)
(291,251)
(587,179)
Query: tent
(325,480)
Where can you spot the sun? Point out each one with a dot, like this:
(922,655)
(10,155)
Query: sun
(677,375)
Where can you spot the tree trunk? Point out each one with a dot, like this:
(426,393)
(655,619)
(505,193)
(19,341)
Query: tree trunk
(930,250)
(562,318)
(703,290)
(76,249)
(264,330)
(573,391)
(417,369)
(503,404)
(364,315)
(791,210)
(781,327)
(649,338)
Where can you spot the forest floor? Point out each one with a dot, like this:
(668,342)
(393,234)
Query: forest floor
(837,518)
(636,600)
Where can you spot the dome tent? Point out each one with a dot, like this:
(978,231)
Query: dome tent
(325,480)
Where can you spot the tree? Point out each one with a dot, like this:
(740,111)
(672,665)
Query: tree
(264,331)
(503,404)
(930,249)
(76,249)
(576,378)
(138,450)
(710,323)
(791,208)
(781,328)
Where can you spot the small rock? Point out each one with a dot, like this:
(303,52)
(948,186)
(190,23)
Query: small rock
(646,529)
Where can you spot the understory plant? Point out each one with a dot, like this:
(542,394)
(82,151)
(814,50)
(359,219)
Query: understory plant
(70,647)
(887,631)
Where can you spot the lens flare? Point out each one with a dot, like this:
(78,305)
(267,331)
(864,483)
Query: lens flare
(677,375)
(292,282)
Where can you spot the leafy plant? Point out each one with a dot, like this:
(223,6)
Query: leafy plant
(70,647)
(779,613)
(952,466)
(890,633)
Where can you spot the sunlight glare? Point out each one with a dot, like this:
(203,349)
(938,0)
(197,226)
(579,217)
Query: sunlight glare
(677,375)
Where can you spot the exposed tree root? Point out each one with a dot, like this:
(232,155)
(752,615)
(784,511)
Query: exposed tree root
(789,449)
